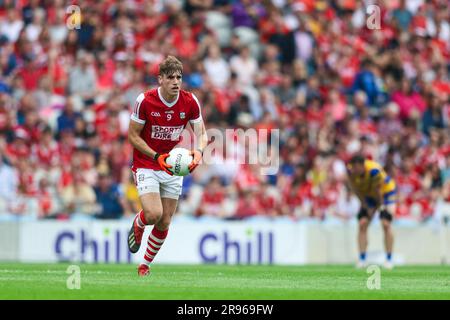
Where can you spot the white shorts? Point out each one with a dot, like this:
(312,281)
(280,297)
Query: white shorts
(149,180)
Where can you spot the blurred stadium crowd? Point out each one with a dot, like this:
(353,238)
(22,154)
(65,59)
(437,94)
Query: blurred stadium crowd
(312,69)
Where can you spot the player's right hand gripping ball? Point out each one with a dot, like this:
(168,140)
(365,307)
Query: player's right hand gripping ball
(161,159)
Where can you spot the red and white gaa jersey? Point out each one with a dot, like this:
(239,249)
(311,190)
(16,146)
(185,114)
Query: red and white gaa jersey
(163,123)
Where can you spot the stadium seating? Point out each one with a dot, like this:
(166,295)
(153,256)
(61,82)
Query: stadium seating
(327,82)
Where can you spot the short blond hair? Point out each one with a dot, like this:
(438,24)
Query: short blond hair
(170,65)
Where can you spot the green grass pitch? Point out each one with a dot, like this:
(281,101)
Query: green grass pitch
(100,281)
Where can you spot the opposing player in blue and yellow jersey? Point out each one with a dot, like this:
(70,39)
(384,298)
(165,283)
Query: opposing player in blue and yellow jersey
(377,192)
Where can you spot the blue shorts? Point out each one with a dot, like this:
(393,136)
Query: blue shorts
(388,198)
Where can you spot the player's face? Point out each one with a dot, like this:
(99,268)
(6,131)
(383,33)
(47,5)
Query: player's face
(357,169)
(171,84)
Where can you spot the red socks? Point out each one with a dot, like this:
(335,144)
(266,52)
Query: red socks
(154,243)
(140,219)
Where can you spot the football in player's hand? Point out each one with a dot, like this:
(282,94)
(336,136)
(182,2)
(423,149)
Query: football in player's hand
(179,159)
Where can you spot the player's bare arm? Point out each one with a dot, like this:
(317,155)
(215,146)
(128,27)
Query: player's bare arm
(134,136)
(358,194)
(379,197)
(202,140)
(378,191)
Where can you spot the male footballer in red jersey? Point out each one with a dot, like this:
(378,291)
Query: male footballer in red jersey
(158,119)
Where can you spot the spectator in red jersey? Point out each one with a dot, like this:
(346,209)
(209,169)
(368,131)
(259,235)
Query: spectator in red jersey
(269,199)
(433,152)
(315,114)
(297,195)
(247,178)
(19,147)
(46,202)
(407,180)
(213,199)
(46,150)
(432,181)
(118,159)
(409,187)
(66,146)
(28,186)
(31,126)
(105,73)
(247,205)
(31,72)
(295,204)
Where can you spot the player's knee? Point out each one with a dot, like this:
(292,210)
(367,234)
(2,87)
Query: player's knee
(152,216)
(386,225)
(363,224)
(385,216)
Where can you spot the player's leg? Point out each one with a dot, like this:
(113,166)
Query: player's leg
(363,224)
(150,214)
(170,190)
(160,230)
(386,216)
(364,217)
(169,207)
(148,188)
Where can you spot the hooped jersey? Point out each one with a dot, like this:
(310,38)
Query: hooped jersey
(374,177)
